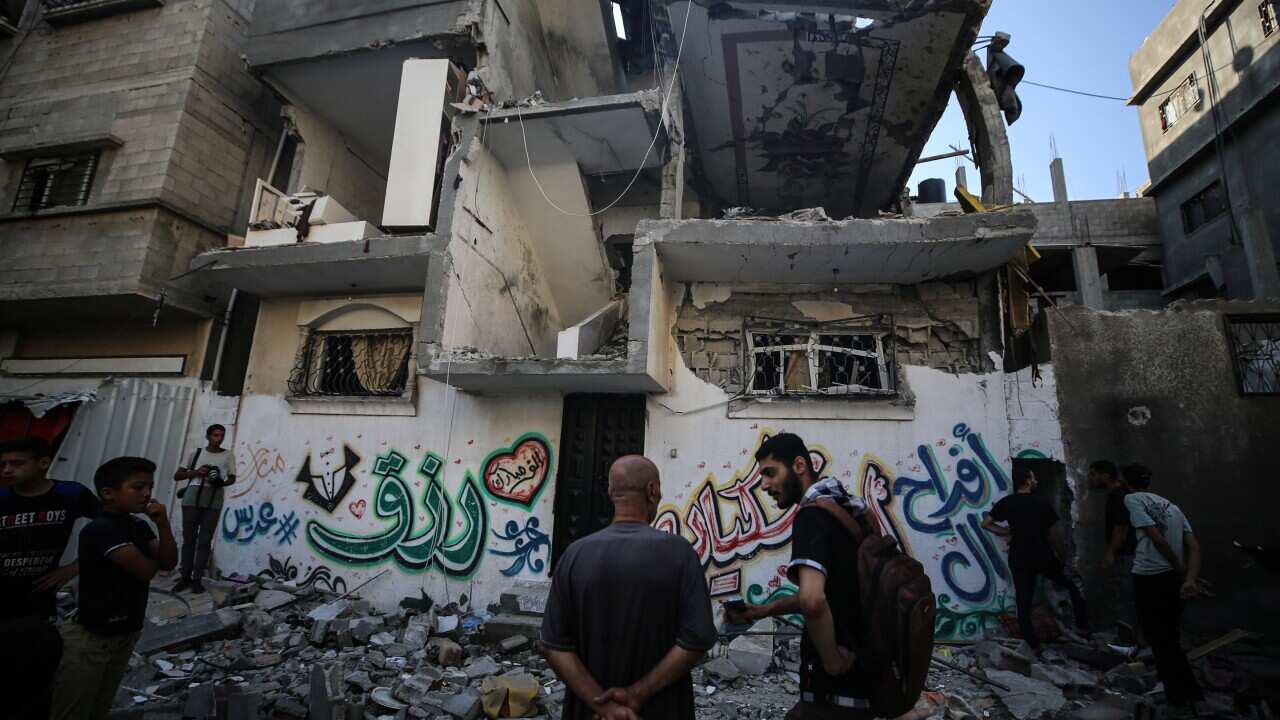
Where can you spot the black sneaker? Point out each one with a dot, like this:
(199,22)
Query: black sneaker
(197,587)
(182,585)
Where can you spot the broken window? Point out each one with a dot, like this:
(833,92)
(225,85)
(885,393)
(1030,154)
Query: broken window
(1255,348)
(1180,103)
(1267,11)
(1204,207)
(352,364)
(56,182)
(852,357)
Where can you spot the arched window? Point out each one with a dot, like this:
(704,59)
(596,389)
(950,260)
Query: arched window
(357,350)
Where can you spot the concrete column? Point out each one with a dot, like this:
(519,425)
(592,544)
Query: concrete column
(1088,279)
(1259,250)
(1059,175)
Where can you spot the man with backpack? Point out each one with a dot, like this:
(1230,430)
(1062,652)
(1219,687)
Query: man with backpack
(852,666)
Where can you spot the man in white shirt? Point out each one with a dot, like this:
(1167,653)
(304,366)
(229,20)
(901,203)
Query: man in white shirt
(213,467)
(1166,573)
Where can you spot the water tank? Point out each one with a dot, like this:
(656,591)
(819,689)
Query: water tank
(933,190)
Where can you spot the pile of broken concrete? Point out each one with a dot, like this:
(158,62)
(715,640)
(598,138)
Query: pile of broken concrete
(269,649)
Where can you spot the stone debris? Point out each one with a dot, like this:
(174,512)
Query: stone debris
(275,652)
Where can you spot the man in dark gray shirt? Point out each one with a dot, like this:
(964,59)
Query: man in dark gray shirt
(629,614)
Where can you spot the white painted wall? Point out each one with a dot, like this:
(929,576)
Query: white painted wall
(960,429)
(268,518)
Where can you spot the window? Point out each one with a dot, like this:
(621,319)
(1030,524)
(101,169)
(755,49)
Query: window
(846,358)
(1255,348)
(374,363)
(55,182)
(1267,10)
(1180,103)
(1204,207)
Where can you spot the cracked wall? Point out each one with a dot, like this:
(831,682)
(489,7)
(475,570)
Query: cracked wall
(937,324)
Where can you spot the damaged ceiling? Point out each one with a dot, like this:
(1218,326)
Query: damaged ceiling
(806,104)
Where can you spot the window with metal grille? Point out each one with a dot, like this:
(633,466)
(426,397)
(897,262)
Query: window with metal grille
(1267,10)
(841,358)
(373,363)
(1255,347)
(1180,103)
(55,182)
(1204,207)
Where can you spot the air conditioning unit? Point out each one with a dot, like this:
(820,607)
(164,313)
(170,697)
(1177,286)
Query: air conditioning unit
(423,141)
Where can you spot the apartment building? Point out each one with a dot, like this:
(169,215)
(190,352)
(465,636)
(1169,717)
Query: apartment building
(131,134)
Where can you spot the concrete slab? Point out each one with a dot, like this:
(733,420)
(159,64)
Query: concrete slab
(898,251)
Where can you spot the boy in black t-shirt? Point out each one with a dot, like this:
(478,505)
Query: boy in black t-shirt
(37,516)
(1036,549)
(119,555)
(824,566)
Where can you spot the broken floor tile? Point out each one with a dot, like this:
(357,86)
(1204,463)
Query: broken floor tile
(1027,699)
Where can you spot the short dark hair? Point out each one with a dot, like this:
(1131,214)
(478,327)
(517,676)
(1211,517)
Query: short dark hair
(1138,476)
(33,446)
(113,473)
(1106,467)
(209,431)
(1021,476)
(785,448)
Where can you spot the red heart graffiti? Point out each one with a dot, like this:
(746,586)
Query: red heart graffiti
(358,507)
(519,473)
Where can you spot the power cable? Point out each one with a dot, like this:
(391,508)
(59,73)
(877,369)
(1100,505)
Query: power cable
(662,121)
(1075,92)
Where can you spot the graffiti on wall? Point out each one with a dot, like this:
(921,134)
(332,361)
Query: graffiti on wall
(334,480)
(320,576)
(932,506)
(530,547)
(731,523)
(453,548)
(947,503)
(252,522)
(518,474)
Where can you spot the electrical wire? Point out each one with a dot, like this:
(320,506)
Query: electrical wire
(662,121)
(1074,92)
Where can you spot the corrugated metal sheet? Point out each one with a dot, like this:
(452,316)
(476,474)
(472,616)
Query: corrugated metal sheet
(133,416)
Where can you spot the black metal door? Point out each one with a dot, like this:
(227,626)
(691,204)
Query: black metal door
(598,429)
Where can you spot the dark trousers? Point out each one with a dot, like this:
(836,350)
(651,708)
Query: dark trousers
(1024,585)
(1160,614)
(198,525)
(30,659)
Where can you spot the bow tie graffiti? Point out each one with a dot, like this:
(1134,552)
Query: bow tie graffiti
(455,553)
(328,487)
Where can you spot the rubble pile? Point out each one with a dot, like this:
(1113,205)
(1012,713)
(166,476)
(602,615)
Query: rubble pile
(267,649)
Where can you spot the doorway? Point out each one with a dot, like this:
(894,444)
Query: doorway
(597,430)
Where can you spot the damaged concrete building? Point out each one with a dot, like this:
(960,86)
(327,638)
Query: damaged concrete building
(496,245)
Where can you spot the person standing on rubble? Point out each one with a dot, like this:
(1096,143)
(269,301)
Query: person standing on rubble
(824,566)
(1037,549)
(37,516)
(213,467)
(119,556)
(1120,541)
(1166,573)
(629,614)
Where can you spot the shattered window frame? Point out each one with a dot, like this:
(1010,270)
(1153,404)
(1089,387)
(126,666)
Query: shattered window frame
(1204,207)
(1254,341)
(329,365)
(829,349)
(1181,101)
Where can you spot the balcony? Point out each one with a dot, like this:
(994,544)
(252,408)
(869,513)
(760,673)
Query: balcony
(68,12)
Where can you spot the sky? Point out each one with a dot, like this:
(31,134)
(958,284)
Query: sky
(1082,45)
